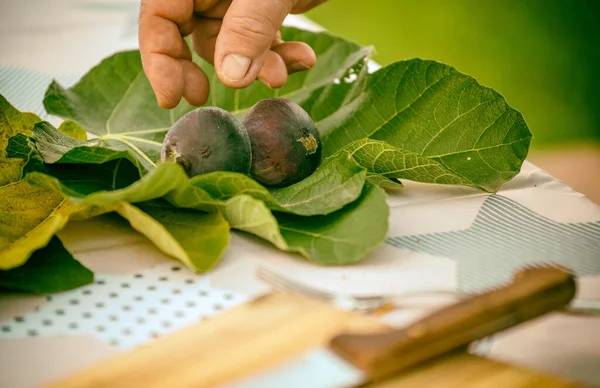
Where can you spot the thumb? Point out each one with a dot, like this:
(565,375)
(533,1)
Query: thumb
(247,33)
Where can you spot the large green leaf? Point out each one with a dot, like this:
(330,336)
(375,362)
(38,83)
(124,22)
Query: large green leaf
(114,100)
(56,147)
(432,110)
(49,269)
(195,238)
(344,237)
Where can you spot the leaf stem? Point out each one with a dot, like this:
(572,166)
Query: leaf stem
(141,132)
(133,147)
(119,137)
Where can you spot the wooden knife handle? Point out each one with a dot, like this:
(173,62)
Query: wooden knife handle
(532,293)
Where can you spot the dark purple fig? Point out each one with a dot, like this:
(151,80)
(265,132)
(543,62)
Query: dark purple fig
(286,146)
(208,139)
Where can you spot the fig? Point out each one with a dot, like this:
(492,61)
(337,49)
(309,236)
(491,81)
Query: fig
(208,139)
(285,143)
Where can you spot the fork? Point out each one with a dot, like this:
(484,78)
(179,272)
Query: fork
(385,303)
(357,303)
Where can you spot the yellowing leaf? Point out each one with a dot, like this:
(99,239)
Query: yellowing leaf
(12,121)
(32,258)
(29,217)
(72,129)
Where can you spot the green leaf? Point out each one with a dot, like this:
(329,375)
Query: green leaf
(337,182)
(12,122)
(29,217)
(250,215)
(19,147)
(32,258)
(394,163)
(344,237)
(382,181)
(436,112)
(114,100)
(195,238)
(49,269)
(88,179)
(56,147)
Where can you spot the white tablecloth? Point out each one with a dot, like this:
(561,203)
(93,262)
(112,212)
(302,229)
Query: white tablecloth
(64,39)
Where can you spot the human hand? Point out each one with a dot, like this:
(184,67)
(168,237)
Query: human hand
(239,37)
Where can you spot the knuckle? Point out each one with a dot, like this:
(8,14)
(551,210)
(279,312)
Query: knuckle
(252,28)
(164,44)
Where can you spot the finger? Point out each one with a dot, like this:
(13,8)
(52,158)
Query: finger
(188,27)
(208,5)
(195,83)
(217,11)
(204,38)
(277,40)
(177,11)
(161,45)
(297,56)
(186,54)
(166,78)
(248,30)
(274,72)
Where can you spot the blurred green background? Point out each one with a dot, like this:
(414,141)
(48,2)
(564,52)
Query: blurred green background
(542,55)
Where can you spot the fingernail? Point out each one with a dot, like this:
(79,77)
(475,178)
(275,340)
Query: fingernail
(265,83)
(298,66)
(235,67)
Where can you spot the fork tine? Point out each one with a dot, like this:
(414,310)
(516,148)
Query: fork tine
(290,285)
(284,283)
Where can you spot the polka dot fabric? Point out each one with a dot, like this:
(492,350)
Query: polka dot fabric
(126,310)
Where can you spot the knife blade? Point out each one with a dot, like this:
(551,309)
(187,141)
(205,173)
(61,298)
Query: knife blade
(352,359)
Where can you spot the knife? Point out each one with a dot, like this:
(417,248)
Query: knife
(353,359)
